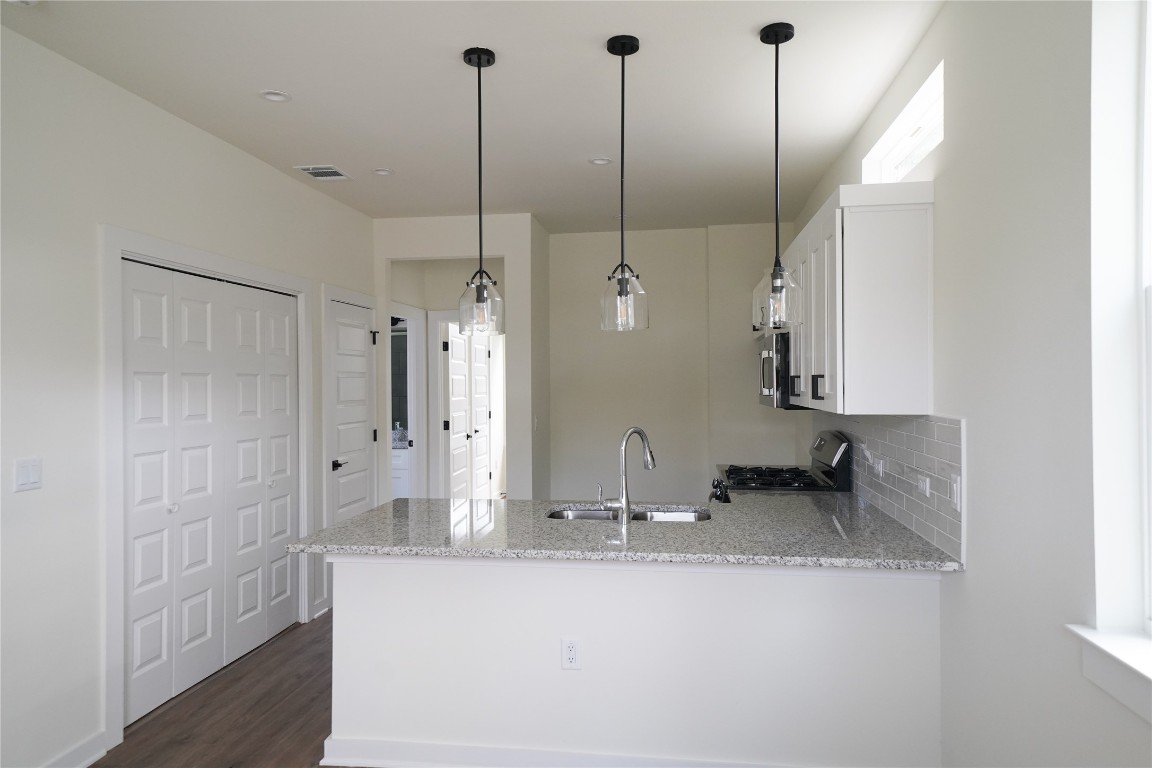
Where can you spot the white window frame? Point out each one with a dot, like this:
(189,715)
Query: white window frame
(1116,647)
(912,136)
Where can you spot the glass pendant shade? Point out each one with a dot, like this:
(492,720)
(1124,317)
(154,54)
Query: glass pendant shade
(783,298)
(760,301)
(481,307)
(624,304)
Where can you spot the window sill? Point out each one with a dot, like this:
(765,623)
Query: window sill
(1121,664)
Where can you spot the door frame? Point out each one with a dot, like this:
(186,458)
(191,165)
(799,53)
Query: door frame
(115,243)
(417,395)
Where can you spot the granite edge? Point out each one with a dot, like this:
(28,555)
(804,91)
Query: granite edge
(646,557)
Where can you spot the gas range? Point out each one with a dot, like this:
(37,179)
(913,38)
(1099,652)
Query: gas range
(831,470)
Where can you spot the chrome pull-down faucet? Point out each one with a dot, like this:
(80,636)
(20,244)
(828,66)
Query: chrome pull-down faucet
(623,504)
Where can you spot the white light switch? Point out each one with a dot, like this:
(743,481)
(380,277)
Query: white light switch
(28,474)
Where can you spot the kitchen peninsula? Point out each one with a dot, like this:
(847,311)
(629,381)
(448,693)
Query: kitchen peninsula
(786,629)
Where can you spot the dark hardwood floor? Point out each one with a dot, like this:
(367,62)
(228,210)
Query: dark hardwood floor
(269,709)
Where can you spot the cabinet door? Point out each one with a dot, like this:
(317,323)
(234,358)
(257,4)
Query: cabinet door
(795,260)
(887,265)
(824,258)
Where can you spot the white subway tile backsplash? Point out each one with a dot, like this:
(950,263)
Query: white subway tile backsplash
(911,447)
(948,434)
(936,449)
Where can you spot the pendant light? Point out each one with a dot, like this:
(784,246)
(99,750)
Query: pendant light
(623,305)
(481,307)
(774,302)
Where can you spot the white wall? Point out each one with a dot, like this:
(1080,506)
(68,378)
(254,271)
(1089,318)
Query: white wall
(80,152)
(740,429)
(508,236)
(603,383)
(690,380)
(692,663)
(541,364)
(1012,344)
(436,284)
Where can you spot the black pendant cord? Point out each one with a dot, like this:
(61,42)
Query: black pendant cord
(623,59)
(777,266)
(480,166)
(774,34)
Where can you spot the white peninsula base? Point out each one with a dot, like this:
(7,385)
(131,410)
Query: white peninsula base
(457,661)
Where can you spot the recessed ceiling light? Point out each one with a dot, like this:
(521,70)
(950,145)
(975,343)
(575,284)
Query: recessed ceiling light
(601,161)
(276,95)
(383,171)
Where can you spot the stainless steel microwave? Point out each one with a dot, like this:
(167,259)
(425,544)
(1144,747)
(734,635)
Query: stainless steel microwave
(775,382)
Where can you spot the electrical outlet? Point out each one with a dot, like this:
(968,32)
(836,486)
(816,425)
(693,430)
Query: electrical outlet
(956,492)
(925,486)
(27,474)
(569,654)
(879,467)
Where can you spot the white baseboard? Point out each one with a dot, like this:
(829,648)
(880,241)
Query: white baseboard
(372,753)
(81,755)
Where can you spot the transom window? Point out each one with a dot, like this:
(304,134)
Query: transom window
(916,131)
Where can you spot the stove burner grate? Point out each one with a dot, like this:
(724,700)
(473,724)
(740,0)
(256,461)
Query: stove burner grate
(770,477)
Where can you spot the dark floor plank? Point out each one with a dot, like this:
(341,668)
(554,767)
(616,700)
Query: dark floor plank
(270,709)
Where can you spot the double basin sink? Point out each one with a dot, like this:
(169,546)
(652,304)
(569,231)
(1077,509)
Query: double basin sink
(640,512)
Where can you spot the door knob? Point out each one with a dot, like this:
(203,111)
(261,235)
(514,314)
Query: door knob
(173,508)
(271,483)
(336,464)
(467,437)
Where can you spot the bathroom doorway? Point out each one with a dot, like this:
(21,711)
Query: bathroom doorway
(407,409)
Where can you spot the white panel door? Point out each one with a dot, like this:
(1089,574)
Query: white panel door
(211,437)
(282,423)
(459,429)
(149,523)
(245,472)
(480,406)
(198,493)
(350,413)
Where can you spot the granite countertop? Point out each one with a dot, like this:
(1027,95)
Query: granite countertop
(807,529)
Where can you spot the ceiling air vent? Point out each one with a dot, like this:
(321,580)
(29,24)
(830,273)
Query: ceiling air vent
(323,172)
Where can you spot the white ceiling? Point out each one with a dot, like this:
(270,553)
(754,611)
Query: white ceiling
(380,83)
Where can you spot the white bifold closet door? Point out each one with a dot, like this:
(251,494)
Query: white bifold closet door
(211,438)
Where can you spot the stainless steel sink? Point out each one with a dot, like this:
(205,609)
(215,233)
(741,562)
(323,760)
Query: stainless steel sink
(686,515)
(572,512)
(640,513)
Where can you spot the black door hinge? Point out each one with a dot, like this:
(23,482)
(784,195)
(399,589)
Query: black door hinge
(489,475)
(374,334)
(443,346)
(489,354)
(489,414)
(374,438)
(445,426)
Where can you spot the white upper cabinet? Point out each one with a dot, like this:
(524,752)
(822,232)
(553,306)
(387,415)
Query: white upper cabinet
(864,267)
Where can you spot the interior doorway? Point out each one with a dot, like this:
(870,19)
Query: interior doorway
(408,414)
(467,399)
